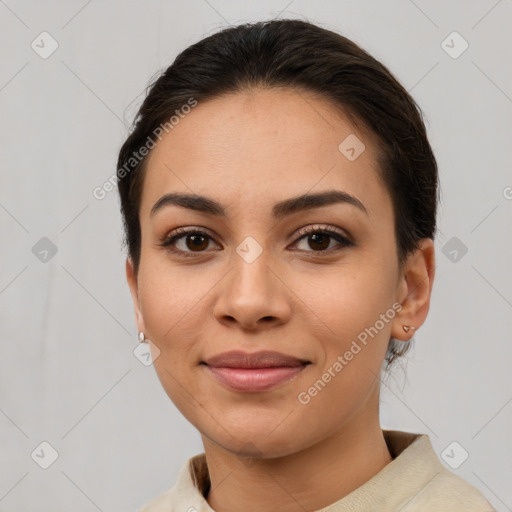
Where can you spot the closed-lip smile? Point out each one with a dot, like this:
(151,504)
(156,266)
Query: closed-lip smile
(256,371)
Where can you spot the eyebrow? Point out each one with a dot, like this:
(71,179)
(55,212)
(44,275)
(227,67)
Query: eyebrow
(280,210)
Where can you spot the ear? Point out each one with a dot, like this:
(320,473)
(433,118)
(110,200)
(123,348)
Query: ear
(414,290)
(131,278)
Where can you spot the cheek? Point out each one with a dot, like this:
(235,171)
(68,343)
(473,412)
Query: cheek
(348,298)
(172,309)
(171,302)
(344,317)
(349,313)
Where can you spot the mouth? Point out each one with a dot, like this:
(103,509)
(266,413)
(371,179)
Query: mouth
(253,372)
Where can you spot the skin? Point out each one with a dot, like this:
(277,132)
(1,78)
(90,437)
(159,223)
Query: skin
(249,150)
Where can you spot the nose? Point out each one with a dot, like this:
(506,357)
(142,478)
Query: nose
(253,296)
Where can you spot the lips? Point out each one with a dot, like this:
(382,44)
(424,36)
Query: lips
(263,359)
(253,372)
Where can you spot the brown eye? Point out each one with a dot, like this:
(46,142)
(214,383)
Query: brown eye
(319,239)
(193,242)
(186,242)
(196,242)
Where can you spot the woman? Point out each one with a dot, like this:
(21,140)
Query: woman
(279,199)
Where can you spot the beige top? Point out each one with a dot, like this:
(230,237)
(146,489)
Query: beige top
(414,481)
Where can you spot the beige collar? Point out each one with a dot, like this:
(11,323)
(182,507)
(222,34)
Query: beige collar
(414,474)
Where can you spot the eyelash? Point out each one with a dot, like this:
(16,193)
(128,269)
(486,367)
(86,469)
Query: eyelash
(167,241)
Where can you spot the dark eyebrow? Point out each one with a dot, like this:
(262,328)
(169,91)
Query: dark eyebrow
(280,210)
(308,201)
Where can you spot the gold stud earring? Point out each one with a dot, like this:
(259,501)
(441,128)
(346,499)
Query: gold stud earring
(407,328)
(142,338)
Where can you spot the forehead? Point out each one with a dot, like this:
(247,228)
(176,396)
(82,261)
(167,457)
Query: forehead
(253,148)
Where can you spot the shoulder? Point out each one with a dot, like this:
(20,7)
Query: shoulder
(418,481)
(184,495)
(447,491)
(162,503)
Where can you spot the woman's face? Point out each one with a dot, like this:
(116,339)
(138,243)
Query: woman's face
(255,280)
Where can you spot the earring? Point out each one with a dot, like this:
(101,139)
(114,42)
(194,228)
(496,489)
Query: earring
(142,338)
(407,328)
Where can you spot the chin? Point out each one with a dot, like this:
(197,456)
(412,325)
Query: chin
(258,442)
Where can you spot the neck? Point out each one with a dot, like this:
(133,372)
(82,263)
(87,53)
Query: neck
(306,480)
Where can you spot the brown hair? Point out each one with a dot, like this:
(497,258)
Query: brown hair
(295,54)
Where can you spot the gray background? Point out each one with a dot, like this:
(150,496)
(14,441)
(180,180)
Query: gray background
(68,374)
